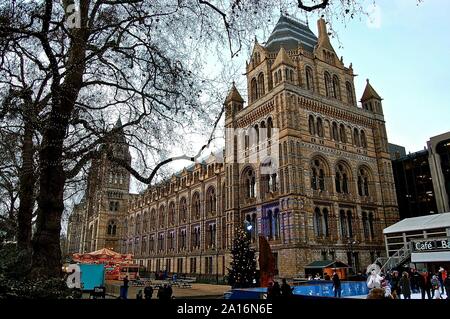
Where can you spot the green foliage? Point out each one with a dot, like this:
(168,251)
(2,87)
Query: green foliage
(15,282)
(242,273)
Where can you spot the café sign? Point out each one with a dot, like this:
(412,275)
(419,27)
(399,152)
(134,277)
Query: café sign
(441,244)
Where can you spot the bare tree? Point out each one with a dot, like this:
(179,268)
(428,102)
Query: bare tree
(79,64)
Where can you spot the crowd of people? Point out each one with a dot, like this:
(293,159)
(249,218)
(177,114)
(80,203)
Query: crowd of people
(397,286)
(275,291)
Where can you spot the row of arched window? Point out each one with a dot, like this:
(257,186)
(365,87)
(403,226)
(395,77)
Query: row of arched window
(338,132)
(332,84)
(346,223)
(342,179)
(258,133)
(150,220)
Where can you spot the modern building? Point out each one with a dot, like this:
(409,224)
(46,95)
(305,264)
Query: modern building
(422,179)
(396,151)
(414,185)
(303,163)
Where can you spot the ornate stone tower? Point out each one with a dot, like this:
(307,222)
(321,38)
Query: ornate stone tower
(107,197)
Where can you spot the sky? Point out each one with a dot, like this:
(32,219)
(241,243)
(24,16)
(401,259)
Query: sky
(404,49)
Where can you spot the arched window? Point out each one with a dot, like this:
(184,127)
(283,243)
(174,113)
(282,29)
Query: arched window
(334,132)
(137,229)
(312,129)
(253,90)
(318,222)
(363,139)
(112,228)
(321,222)
(249,182)
(260,85)
(336,87)
(317,175)
(145,223)
(183,210)
(319,127)
(162,216)
(269,128)
(291,76)
(195,206)
(276,223)
(342,133)
(172,213)
(309,79)
(343,223)
(363,182)
(350,96)
(211,200)
(341,180)
(275,78)
(328,85)
(356,140)
(365,223)
(280,76)
(153,219)
(350,223)
(371,226)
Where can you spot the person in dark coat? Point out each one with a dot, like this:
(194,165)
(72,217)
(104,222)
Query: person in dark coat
(405,286)
(425,285)
(148,292)
(395,285)
(124,288)
(276,290)
(336,285)
(447,285)
(286,290)
(415,279)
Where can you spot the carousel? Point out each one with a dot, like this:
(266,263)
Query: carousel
(116,265)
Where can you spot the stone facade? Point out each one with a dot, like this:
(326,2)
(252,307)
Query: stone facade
(328,194)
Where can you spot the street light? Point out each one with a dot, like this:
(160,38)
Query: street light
(351,242)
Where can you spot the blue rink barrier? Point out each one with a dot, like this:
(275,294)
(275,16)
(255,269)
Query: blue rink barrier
(348,289)
(318,289)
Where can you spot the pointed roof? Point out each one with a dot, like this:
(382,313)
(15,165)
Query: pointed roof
(369,93)
(288,32)
(234,95)
(324,39)
(282,58)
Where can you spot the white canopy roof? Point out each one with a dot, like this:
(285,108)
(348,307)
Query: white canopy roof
(420,223)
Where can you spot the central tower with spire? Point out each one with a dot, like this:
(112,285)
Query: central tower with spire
(334,186)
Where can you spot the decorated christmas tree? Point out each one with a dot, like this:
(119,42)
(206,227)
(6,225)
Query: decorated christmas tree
(242,273)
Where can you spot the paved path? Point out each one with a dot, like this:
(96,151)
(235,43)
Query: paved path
(196,291)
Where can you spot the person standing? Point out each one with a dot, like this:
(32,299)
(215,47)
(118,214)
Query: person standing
(435,284)
(447,285)
(148,292)
(425,285)
(441,276)
(336,285)
(124,288)
(276,290)
(415,280)
(286,290)
(405,286)
(395,285)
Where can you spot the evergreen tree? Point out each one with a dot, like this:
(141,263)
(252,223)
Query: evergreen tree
(243,266)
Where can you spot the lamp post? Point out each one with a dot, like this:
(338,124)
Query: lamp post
(351,242)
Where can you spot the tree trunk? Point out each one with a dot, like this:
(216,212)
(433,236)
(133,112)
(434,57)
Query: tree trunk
(26,190)
(46,257)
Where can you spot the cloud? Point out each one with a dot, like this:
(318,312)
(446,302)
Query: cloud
(374,17)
